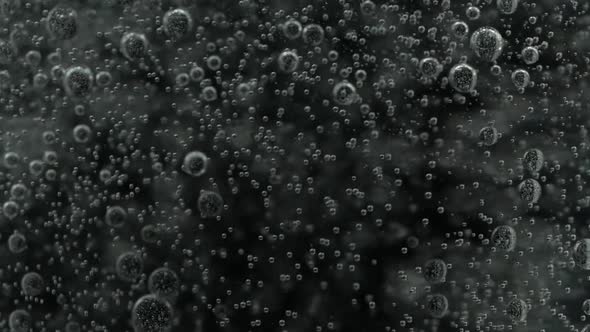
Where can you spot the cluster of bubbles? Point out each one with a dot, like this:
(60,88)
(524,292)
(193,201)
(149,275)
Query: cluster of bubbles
(294,166)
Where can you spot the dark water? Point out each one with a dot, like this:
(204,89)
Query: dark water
(260,165)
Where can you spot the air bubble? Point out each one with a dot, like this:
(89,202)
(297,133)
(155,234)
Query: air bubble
(488,135)
(164,283)
(437,305)
(177,23)
(313,34)
(32,284)
(129,266)
(288,61)
(530,55)
(460,29)
(116,216)
(344,93)
(487,43)
(78,81)
(20,320)
(62,23)
(533,160)
(507,7)
(210,204)
(152,314)
(292,29)
(82,133)
(529,190)
(504,238)
(435,271)
(581,254)
(520,78)
(134,45)
(17,243)
(517,310)
(430,67)
(463,78)
(7,52)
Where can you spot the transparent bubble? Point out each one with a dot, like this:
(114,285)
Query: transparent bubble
(313,34)
(10,209)
(360,75)
(488,135)
(463,78)
(496,70)
(40,80)
(487,43)
(5,79)
(292,29)
(150,234)
(437,305)
(48,137)
(435,271)
(80,110)
(504,238)
(473,13)
(129,266)
(517,310)
(530,55)
(62,23)
(54,58)
(197,74)
(177,23)
(20,320)
(134,45)
(7,52)
(182,80)
(20,37)
(507,7)
(17,243)
(50,175)
(36,167)
(82,133)
(57,73)
(11,159)
(210,204)
(529,190)
(50,157)
(32,284)
(18,191)
(209,93)
(214,62)
(105,175)
(78,81)
(164,283)
(33,58)
(430,67)
(288,61)
(581,254)
(103,78)
(368,8)
(460,29)
(344,93)
(586,307)
(533,160)
(195,163)
(115,216)
(243,91)
(520,78)
(152,314)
